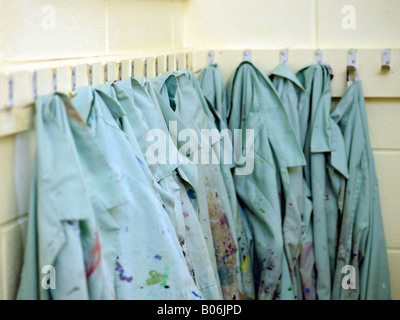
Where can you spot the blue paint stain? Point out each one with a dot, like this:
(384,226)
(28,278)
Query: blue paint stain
(121,271)
(307,290)
(70,223)
(138,159)
(354,255)
(158,257)
(242,248)
(126,229)
(196,294)
(191,194)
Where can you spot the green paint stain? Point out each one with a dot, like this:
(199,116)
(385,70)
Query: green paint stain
(156,277)
(290,289)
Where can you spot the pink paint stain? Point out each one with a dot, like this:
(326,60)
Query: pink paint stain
(95,257)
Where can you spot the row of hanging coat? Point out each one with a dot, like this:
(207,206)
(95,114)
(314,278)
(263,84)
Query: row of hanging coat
(114,225)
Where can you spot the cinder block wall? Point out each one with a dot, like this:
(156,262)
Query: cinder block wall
(43,30)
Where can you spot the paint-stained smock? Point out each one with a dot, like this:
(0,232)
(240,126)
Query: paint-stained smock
(256,105)
(215,106)
(172,183)
(297,233)
(177,89)
(326,172)
(361,241)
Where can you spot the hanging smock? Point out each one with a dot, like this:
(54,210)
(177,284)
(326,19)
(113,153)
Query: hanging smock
(326,172)
(255,105)
(361,236)
(298,205)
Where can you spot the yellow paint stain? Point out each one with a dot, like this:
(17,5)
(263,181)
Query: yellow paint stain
(245,263)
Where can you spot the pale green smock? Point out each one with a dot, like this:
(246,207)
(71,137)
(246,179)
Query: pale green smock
(256,105)
(325,173)
(361,240)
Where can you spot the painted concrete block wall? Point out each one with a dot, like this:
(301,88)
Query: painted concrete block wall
(28,31)
(56,29)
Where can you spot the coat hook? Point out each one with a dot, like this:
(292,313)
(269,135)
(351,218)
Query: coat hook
(34,85)
(211,57)
(284,56)
(352,66)
(90,74)
(385,60)
(145,68)
(73,78)
(132,68)
(247,55)
(105,73)
(352,59)
(156,66)
(55,80)
(177,63)
(318,56)
(119,71)
(10,102)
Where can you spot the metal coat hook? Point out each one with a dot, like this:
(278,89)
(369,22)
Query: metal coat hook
(55,80)
(145,68)
(211,57)
(90,74)
(34,85)
(284,56)
(385,60)
(73,75)
(119,71)
(352,60)
(177,63)
(247,55)
(132,68)
(352,66)
(156,66)
(106,73)
(10,100)
(318,56)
